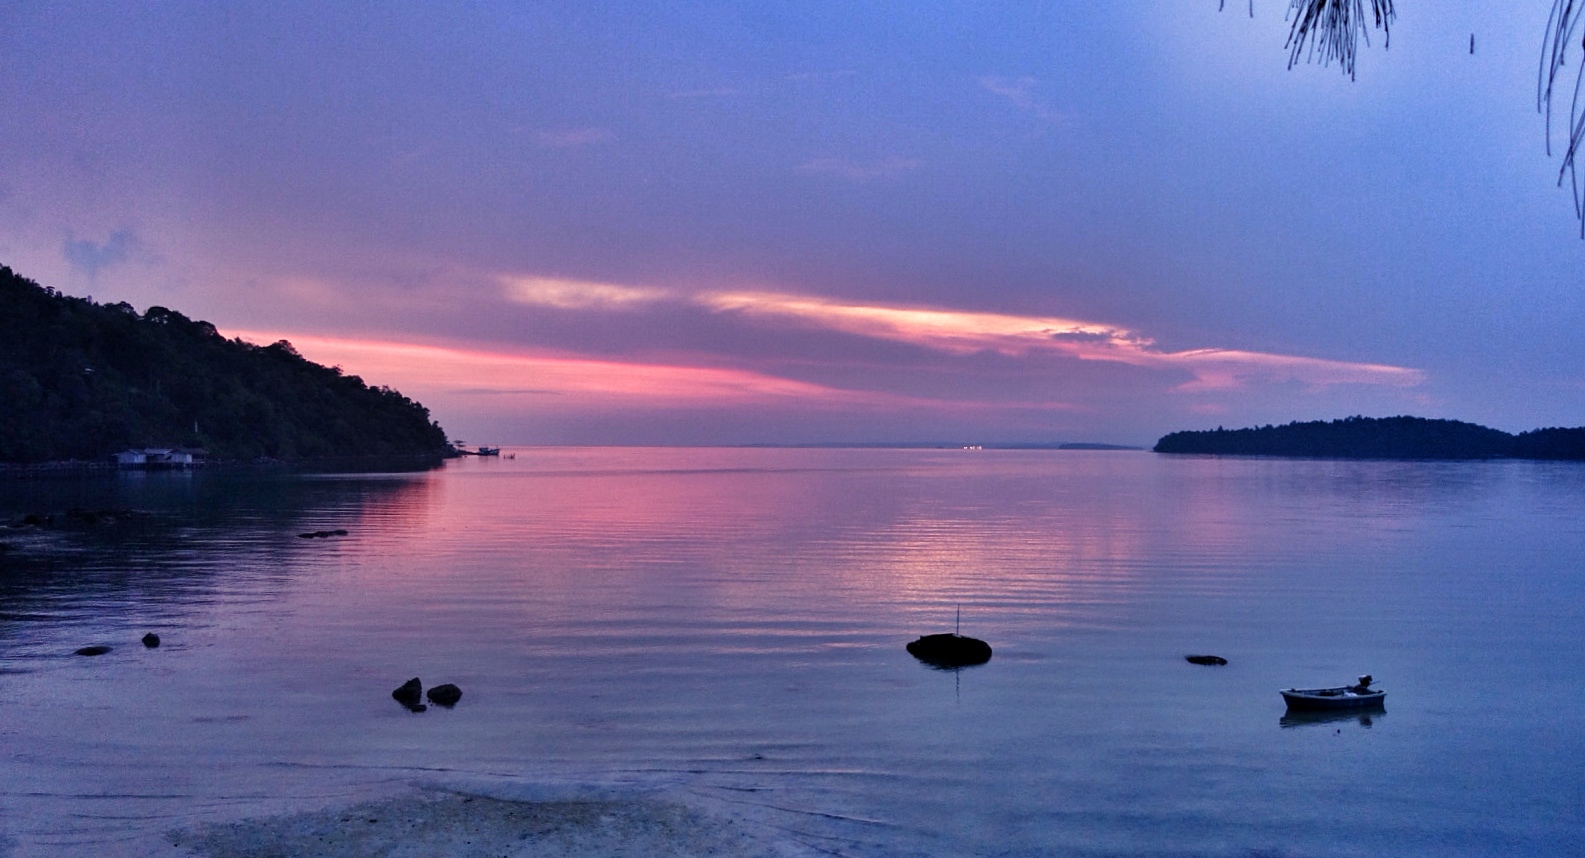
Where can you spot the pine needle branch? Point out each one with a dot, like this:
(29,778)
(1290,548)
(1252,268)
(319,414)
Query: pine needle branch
(1561,28)
(1331,30)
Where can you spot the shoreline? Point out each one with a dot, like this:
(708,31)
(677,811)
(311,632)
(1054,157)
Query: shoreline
(335,464)
(439,820)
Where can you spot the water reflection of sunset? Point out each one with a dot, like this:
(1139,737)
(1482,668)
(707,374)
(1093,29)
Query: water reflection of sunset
(736,618)
(592,541)
(747,528)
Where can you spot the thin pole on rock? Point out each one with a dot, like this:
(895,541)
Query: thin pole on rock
(957,627)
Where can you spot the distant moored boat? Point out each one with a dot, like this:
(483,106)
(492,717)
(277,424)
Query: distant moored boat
(1358,696)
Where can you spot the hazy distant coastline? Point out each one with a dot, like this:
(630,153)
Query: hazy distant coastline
(951,445)
(1380,438)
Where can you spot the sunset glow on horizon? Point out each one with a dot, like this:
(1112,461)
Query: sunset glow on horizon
(551,382)
(481,372)
(734,224)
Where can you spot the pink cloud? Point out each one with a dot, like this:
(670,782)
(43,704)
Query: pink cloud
(966,332)
(492,380)
(414,366)
(1224,369)
(566,294)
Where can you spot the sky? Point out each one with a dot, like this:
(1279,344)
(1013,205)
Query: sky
(817,222)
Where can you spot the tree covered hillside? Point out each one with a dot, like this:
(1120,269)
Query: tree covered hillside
(1380,438)
(80,380)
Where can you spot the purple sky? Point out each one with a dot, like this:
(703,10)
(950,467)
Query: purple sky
(816,222)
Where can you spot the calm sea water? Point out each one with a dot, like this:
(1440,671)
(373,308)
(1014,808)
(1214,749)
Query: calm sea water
(730,624)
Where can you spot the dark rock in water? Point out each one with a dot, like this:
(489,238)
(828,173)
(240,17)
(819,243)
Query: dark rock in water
(444,695)
(96,649)
(37,519)
(151,640)
(949,650)
(97,516)
(410,694)
(322,534)
(1204,659)
(338,532)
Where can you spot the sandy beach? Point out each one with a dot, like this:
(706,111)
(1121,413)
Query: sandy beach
(429,822)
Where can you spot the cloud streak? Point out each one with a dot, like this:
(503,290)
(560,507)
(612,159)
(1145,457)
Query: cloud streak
(1020,93)
(478,372)
(961,332)
(92,257)
(564,294)
(860,171)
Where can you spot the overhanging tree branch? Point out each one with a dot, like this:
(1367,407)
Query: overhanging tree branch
(1560,30)
(1331,30)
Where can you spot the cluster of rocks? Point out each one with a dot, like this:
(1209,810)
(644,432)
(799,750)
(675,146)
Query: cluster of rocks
(322,534)
(411,694)
(150,640)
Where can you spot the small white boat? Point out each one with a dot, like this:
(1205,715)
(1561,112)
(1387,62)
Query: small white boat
(1359,696)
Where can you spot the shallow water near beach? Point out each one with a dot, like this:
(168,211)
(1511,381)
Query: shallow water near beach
(724,628)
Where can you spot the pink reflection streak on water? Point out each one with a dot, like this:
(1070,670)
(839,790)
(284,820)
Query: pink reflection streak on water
(607,532)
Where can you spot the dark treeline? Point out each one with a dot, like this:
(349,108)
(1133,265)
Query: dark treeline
(1380,438)
(80,380)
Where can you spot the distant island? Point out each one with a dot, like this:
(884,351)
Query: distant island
(83,381)
(1380,438)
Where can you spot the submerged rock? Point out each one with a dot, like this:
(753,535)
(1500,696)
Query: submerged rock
(96,649)
(322,534)
(96,516)
(444,695)
(1205,659)
(410,694)
(151,640)
(950,650)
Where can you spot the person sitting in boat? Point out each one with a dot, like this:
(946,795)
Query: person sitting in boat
(1364,684)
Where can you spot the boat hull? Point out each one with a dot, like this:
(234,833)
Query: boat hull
(1329,699)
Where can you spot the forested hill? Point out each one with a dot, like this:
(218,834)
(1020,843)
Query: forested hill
(1380,438)
(80,380)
